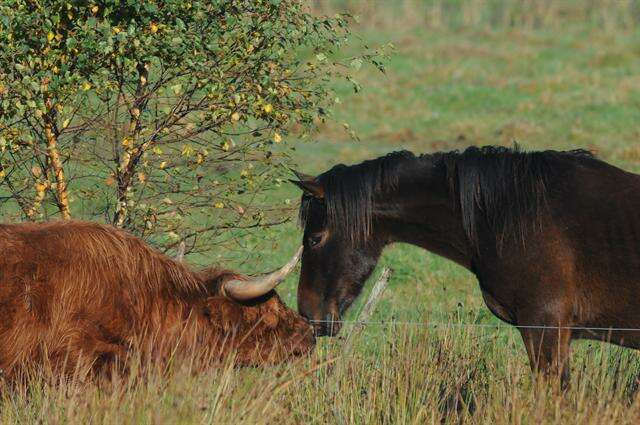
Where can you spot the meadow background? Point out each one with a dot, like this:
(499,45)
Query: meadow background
(548,74)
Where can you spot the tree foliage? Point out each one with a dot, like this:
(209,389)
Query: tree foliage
(168,118)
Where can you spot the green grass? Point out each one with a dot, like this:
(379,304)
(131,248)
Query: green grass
(562,85)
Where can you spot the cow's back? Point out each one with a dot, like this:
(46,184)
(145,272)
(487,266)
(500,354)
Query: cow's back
(76,287)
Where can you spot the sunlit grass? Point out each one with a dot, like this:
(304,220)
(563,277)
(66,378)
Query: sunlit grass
(399,374)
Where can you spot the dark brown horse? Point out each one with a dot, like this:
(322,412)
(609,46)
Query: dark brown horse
(552,237)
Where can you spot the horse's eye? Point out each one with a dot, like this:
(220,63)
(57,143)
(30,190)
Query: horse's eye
(315,239)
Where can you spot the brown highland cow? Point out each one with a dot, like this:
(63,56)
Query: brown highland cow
(83,296)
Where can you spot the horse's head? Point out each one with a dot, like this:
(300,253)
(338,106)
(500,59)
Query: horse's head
(335,262)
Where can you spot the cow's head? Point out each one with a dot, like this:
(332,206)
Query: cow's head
(254,321)
(261,331)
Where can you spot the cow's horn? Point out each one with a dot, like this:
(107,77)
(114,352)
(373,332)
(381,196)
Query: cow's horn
(244,290)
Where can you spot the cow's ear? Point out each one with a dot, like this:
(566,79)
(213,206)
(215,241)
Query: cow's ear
(309,184)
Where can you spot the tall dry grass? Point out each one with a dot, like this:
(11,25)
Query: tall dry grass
(400,375)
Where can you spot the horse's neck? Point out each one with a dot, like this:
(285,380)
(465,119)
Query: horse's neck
(427,223)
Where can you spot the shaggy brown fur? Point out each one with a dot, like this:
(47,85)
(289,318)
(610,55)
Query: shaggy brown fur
(78,292)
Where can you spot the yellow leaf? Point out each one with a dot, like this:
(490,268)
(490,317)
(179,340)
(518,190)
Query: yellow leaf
(142,177)
(268,108)
(187,150)
(163,165)
(277,138)
(157,150)
(153,27)
(40,187)
(86,86)
(235,116)
(127,142)
(218,205)
(95,9)
(225,146)
(50,36)
(65,123)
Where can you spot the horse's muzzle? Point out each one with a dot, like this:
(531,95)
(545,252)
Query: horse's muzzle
(329,326)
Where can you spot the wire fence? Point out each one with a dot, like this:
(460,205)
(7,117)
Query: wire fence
(473,325)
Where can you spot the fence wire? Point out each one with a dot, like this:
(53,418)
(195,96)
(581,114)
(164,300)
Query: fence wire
(473,325)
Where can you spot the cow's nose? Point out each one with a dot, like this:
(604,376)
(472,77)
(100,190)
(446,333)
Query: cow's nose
(306,342)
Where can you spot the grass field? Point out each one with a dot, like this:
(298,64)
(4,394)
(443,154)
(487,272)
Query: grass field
(561,82)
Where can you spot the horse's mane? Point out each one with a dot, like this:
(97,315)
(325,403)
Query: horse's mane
(349,193)
(503,188)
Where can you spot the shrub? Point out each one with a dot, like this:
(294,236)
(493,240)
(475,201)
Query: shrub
(170,119)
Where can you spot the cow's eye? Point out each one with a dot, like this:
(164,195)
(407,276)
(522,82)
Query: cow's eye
(315,239)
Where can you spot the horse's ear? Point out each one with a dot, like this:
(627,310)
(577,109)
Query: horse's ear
(309,184)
